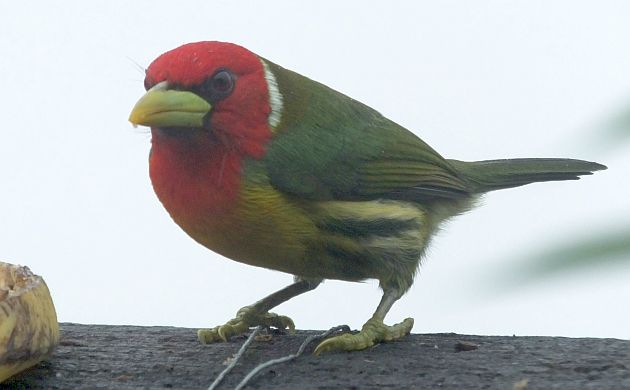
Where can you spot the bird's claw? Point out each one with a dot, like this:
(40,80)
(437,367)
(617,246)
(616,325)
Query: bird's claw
(373,332)
(246,318)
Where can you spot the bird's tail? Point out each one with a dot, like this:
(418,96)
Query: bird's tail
(490,175)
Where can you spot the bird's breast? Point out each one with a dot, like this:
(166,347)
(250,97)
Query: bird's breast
(208,195)
(262,228)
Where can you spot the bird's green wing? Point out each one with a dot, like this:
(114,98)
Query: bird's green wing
(329,146)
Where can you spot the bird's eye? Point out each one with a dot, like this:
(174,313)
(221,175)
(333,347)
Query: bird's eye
(219,86)
(222,82)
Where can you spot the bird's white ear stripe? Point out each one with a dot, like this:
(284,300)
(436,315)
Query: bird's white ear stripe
(275,97)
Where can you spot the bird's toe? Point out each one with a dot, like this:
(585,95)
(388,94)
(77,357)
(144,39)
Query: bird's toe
(373,332)
(246,318)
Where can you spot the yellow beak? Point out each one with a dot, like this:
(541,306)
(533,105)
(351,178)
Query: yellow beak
(161,107)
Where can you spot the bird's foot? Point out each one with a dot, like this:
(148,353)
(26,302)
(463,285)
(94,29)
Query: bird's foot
(373,332)
(246,318)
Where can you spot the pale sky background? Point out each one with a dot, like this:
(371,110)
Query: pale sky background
(476,80)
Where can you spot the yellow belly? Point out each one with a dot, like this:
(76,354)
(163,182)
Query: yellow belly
(265,229)
(347,240)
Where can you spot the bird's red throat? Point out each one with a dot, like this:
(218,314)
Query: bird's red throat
(195,175)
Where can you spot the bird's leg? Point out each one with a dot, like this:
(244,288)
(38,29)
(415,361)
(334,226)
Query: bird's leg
(373,331)
(258,314)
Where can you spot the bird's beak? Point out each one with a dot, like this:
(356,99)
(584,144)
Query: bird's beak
(163,107)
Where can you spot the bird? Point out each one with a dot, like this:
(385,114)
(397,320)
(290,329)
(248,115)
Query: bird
(269,168)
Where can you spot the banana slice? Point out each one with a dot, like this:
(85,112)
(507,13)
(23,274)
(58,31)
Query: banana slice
(28,322)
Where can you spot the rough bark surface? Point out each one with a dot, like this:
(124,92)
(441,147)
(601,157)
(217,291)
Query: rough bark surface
(132,357)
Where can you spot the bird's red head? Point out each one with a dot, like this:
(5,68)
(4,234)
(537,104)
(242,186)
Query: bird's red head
(209,107)
(230,79)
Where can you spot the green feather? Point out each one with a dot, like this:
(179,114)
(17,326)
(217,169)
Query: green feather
(330,146)
(491,175)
